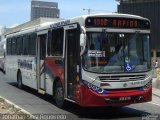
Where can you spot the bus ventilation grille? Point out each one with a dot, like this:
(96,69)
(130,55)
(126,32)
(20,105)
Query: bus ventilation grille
(121,78)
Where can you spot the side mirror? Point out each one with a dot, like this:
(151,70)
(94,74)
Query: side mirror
(82,39)
(82,43)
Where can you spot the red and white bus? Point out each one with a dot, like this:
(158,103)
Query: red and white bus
(91,60)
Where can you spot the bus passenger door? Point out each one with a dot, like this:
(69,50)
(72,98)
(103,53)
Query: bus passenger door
(41,54)
(72,60)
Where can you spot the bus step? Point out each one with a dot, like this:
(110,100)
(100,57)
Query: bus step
(41,91)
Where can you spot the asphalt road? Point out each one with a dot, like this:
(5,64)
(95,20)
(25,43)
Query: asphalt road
(34,103)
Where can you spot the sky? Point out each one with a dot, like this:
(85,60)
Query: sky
(15,12)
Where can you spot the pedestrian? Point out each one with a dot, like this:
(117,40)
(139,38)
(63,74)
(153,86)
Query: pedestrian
(156,64)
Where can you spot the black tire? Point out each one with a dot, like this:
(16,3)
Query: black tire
(59,95)
(19,80)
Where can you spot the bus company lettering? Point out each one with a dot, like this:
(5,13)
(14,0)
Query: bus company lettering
(26,64)
(62,23)
(138,83)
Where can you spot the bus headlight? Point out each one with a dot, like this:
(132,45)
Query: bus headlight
(100,90)
(93,87)
(89,85)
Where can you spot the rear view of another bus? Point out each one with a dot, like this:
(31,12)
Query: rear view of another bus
(2,55)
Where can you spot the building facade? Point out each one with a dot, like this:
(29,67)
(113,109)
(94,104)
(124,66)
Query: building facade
(44,9)
(149,9)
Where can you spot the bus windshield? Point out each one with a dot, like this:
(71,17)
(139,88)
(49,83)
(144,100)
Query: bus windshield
(117,52)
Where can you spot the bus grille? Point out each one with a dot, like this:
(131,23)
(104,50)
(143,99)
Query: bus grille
(121,78)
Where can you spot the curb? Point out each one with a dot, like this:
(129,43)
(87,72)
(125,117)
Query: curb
(158,83)
(156,95)
(16,106)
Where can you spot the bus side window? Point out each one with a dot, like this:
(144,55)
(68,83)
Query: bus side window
(14,46)
(57,42)
(19,45)
(25,45)
(9,46)
(32,43)
(49,42)
(42,39)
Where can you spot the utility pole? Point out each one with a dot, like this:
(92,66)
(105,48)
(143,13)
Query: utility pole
(89,10)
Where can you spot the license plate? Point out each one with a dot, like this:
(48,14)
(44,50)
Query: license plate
(124,98)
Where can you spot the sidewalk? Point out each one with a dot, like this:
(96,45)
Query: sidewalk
(10,111)
(156,92)
(156,87)
(156,83)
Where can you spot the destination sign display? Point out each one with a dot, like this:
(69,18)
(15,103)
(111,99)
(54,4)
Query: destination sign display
(117,23)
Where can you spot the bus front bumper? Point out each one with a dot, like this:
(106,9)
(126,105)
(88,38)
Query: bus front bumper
(88,98)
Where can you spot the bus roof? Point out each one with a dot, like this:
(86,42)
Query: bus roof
(79,19)
(109,15)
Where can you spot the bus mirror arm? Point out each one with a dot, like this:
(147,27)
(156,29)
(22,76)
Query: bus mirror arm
(83,40)
(82,43)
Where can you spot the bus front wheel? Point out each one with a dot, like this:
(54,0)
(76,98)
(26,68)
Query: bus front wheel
(19,80)
(59,95)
